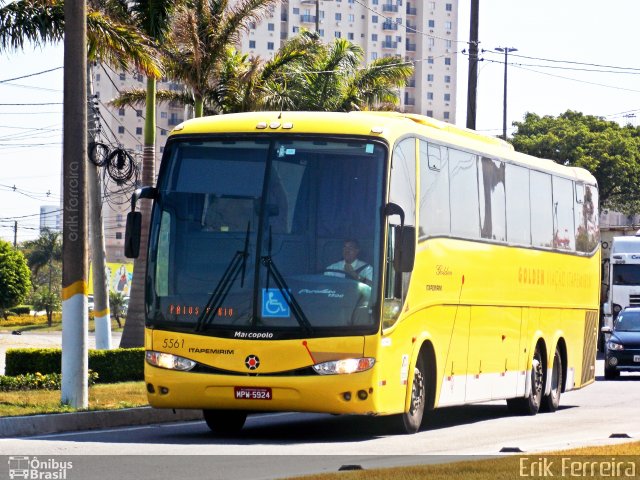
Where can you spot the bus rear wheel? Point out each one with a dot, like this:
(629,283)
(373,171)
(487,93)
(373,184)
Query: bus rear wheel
(551,402)
(225,422)
(530,404)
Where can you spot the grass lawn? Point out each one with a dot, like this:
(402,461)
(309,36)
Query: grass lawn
(589,462)
(101,397)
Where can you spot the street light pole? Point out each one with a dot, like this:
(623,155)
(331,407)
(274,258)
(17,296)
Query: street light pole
(506,51)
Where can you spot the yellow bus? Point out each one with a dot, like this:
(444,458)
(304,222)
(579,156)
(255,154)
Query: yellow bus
(371,263)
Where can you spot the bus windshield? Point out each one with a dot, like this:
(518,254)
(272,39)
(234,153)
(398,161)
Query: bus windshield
(248,234)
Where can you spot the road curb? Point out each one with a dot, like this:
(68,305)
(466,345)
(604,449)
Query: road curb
(77,421)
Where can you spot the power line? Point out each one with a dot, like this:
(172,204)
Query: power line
(31,74)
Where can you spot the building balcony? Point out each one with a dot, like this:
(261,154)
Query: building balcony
(389,26)
(308,18)
(412,10)
(389,8)
(409,101)
(411,47)
(411,83)
(175,121)
(389,44)
(284,17)
(411,27)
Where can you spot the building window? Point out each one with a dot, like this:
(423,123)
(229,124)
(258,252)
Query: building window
(447,61)
(338,16)
(374,55)
(121,112)
(352,17)
(374,19)
(119,217)
(118,235)
(429,95)
(432,41)
(430,77)
(123,77)
(350,36)
(138,130)
(269,45)
(271,27)
(252,44)
(447,97)
(296,11)
(121,129)
(430,60)
(138,113)
(446,115)
(447,43)
(97,77)
(432,23)
(163,132)
(163,114)
(448,7)
(296,29)
(374,37)
(429,113)
(447,79)
(447,25)
(337,34)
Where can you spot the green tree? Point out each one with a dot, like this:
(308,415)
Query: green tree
(15,278)
(609,151)
(45,253)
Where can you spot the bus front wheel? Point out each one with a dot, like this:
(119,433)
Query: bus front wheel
(530,404)
(409,422)
(225,422)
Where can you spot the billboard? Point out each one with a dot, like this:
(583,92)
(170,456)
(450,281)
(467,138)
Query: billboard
(119,276)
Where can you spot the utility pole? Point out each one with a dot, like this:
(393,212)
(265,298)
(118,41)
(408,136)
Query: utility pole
(506,51)
(74,221)
(318,17)
(101,314)
(472,83)
(15,234)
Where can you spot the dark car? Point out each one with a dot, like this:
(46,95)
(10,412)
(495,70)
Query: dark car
(622,352)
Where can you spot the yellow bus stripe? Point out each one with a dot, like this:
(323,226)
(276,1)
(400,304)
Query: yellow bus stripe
(79,287)
(101,313)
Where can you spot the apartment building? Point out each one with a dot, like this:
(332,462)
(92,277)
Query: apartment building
(423,32)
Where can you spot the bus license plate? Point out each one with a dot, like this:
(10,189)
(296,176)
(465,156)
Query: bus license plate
(252,393)
(636,358)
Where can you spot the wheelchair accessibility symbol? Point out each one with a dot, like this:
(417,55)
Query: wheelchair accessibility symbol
(273,304)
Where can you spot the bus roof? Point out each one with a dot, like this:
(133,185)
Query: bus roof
(387,125)
(628,244)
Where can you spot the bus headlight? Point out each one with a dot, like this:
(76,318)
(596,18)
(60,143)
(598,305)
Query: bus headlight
(168,361)
(346,366)
(615,346)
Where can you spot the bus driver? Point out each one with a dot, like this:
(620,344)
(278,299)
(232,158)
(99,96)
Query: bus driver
(351,266)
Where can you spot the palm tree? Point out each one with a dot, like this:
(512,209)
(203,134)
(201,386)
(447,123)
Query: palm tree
(109,39)
(331,79)
(43,252)
(153,18)
(198,49)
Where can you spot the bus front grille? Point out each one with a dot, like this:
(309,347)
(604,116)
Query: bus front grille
(634,300)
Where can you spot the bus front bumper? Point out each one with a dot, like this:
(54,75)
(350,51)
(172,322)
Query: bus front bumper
(354,393)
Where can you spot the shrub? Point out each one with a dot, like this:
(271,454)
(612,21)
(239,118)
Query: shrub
(21,310)
(37,381)
(119,365)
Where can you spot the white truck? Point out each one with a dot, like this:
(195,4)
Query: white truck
(623,277)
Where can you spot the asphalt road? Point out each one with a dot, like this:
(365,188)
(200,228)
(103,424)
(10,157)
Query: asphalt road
(280,445)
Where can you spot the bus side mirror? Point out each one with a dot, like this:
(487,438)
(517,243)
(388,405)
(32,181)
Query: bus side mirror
(132,235)
(404,253)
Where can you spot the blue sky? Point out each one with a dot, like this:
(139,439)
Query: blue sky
(583,31)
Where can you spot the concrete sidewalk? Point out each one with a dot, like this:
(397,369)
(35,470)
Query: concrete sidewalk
(77,421)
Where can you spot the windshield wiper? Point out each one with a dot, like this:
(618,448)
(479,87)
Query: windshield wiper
(281,283)
(237,265)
